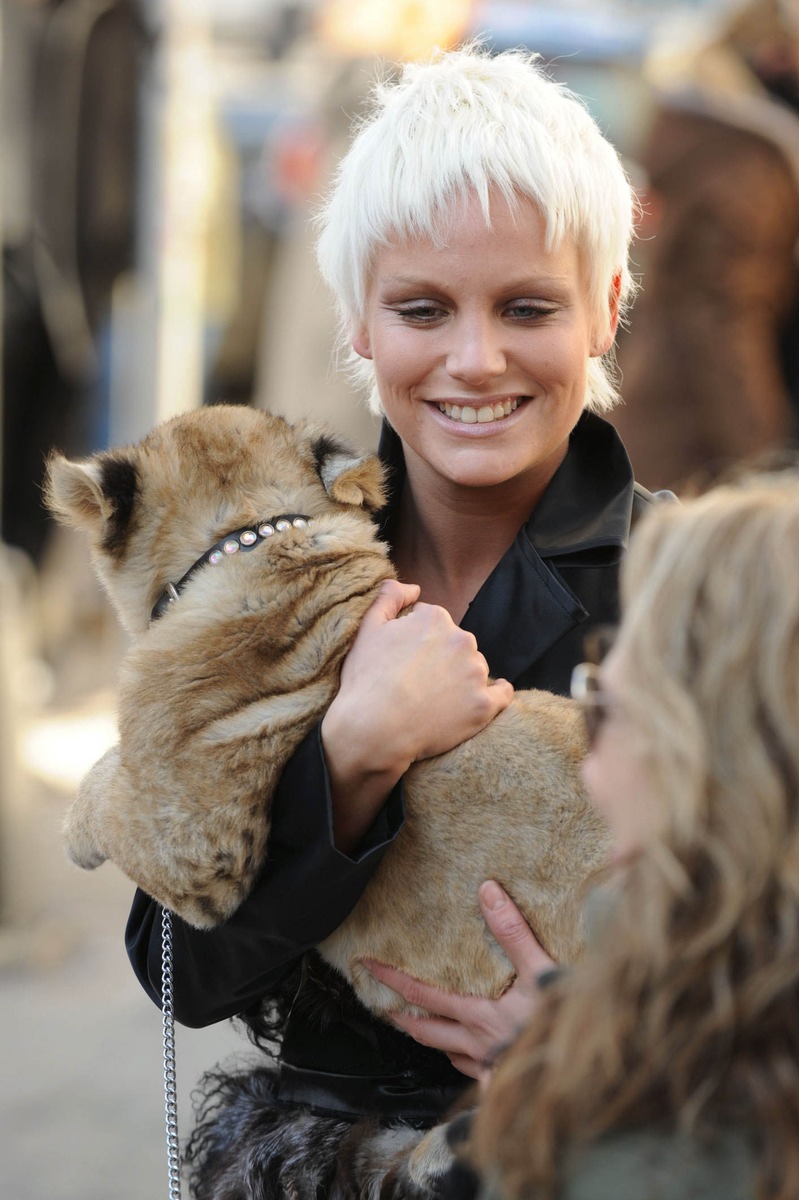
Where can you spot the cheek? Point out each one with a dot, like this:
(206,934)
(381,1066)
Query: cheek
(396,358)
(618,786)
(594,771)
(562,367)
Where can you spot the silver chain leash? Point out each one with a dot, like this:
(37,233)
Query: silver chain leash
(170,1076)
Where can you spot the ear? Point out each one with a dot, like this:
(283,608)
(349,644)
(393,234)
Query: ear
(73,492)
(348,477)
(604,338)
(96,495)
(360,341)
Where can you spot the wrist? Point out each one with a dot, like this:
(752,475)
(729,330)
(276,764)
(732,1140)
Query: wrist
(357,748)
(359,785)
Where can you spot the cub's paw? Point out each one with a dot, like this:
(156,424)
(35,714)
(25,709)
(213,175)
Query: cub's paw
(80,848)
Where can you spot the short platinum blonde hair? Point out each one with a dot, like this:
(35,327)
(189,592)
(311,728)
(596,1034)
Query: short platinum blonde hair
(469,121)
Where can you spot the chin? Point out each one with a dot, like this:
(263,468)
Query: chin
(478,477)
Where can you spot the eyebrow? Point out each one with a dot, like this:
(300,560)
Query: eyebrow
(522,286)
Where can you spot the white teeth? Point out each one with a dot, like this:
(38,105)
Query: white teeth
(484,415)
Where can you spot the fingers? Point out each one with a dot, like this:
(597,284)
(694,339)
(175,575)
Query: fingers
(468,1051)
(472,1028)
(473,1044)
(465,1027)
(432,690)
(421,995)
(501,693)
(511,930)
(392,598)
(409,690)
(454,1040)
(478,1071)
(432,1031)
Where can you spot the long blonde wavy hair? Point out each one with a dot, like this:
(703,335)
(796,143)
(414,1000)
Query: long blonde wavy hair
(685,1011)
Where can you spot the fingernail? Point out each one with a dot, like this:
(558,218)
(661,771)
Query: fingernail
(492,895)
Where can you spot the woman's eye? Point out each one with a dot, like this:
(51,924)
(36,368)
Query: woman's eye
(528,310)
(421,314)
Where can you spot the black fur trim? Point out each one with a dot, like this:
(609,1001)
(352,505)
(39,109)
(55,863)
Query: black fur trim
(254,1139)
(247,1146)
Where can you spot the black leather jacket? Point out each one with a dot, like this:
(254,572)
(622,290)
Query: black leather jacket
(530,618)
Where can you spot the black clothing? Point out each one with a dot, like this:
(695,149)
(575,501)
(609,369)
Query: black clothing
(530,617)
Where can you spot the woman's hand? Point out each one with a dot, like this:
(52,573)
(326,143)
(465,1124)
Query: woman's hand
(470,1030)
(410,689)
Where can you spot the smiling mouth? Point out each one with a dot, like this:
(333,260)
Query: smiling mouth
(468,414)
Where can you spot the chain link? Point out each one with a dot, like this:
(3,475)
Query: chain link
(170,1076)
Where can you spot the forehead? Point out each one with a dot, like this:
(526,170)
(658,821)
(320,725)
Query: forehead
(505,244)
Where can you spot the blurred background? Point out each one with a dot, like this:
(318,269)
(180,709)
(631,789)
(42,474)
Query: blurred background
(160,163)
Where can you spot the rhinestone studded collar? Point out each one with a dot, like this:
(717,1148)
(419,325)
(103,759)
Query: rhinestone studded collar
(246,538)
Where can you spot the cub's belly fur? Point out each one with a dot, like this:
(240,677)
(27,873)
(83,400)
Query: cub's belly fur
(507,805)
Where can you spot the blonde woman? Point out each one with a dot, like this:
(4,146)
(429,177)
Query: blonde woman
(667,1064)
(476,240)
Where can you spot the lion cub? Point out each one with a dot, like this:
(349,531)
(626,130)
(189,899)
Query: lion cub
(240,554)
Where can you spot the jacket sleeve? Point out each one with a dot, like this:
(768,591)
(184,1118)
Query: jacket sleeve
(306,889)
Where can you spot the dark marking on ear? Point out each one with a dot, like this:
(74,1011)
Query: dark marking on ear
(326,446)
(119,480)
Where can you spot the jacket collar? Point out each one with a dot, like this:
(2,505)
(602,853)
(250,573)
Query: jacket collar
(587,505)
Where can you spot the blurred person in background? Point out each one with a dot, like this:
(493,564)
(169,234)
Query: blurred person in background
(710,364)
(666,1063)
(71,71)
(476,240)
(296,373)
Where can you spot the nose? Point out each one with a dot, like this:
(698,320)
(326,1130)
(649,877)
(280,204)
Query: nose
(475,354)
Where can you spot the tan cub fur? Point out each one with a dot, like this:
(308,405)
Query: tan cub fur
(215,696)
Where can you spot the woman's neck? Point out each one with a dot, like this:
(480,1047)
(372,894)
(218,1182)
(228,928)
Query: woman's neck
(448,538)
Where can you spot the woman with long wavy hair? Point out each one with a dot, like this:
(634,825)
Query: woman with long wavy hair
(667,1063)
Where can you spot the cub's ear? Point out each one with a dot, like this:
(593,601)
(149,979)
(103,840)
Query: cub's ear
(96,495)
(348,477)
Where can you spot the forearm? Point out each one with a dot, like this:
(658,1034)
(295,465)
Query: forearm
(360,781)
